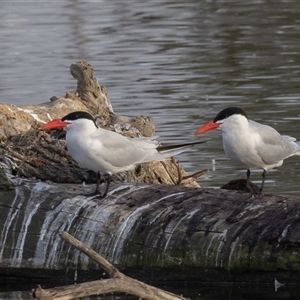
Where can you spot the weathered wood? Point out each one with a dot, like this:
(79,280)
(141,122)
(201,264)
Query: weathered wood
(107,266)
(118,282)
(150,232)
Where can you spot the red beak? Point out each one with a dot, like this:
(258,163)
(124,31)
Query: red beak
(55,124)
(207,127)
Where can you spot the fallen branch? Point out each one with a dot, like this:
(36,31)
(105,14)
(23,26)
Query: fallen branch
(117,283)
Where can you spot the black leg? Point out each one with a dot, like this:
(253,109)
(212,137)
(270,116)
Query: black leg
(97,191)
(248,181)
(264,174)
(108,180)
(98,183)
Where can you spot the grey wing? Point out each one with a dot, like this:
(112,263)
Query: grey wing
(273,147)
(116,150)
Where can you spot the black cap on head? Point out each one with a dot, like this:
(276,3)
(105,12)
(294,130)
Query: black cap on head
(227,112)
(78,115)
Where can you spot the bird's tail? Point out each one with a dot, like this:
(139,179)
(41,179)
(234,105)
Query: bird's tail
(298,149)
(293,143)
(176,149)
(164,152)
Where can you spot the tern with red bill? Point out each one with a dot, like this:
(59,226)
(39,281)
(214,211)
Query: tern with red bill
(108,152)
(251,144)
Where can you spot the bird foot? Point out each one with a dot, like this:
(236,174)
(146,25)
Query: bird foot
(253,192)
(245,191)
(90,194)
(259,193)
(97,195)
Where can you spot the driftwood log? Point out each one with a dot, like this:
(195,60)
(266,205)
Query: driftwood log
(149,232)
(146,228)
(118,282)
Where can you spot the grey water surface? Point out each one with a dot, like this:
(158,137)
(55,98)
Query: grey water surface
(177,62)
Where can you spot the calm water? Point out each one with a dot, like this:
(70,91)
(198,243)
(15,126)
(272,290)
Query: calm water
(180,63)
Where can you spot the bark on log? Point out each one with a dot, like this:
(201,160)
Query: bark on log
(150,232)
(117,283)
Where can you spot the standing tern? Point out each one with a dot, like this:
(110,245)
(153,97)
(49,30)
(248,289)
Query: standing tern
(251,144)
(106,151)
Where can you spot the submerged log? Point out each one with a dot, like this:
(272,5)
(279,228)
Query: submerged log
(118,282)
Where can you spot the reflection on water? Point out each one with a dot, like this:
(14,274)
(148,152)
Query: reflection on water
(199,291)
(180,63)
